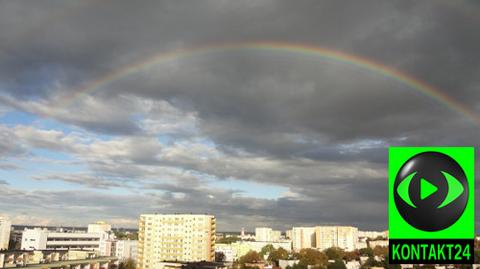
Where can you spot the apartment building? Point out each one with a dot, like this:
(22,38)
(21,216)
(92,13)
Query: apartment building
(303,237)
(42,239)
(5,227)
(175,237)
(99,227)
(372,234)
(345,237)
(126,249)
(265,234)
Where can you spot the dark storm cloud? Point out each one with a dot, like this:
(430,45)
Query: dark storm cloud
(310,115)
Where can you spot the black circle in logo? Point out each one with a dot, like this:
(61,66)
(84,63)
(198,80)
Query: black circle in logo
(426,209)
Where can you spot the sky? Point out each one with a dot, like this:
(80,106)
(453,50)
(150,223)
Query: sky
(224,119)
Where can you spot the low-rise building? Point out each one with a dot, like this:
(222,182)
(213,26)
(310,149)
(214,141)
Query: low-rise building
(285,263)
(234,251)
(20,258)
(375,243)
(352,265)
(43,239)
(372,234)
(228,251)
(190,265)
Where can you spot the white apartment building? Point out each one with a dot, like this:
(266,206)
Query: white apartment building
(380,243)
(126,249)
(5,227)
(276,236)
(345,237)
(34,239)
(42,239)
(228,251)
(175,237)
(372,234)
(265,234)
(99,227)
(288,234)
(303,237)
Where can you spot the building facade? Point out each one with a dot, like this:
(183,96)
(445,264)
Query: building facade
(303,237)
(43,239)
(126,249)
(5,227)
(344,237)
(265,234)
(175,237)
(99,227)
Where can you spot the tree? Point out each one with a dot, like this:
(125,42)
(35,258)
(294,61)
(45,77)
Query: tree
(228,240)
(476,257)
(121,235)
(338,264)
(266,250)
(250,257)
(334,253)
(380,251)
(366,252)
(386,263)
(310,256)
(371,262)
(351,255)
(278,254)
(219,256)
(128,264)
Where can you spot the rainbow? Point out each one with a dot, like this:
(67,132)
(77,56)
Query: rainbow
(307,50)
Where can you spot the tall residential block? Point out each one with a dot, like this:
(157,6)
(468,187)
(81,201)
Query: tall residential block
(303,237)
(5,227)
(175,237)
(265,234)
(345,237)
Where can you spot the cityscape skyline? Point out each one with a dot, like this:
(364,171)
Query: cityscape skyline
(262,113)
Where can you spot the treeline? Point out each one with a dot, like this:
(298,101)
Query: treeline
(332,258)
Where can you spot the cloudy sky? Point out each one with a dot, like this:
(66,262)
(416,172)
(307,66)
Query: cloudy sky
(254,135)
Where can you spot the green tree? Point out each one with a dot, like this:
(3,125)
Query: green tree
(219,256)
(351,255)
(380,251)
(371,262)
(278,254)
(334,253)
(476,256)
(366,252)
(313,257)
(126,235)
(128,264)
(250,257)
(228,240)
(266,250)
(386,263)
(338,264)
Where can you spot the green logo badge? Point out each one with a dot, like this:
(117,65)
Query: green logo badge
(431,198)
